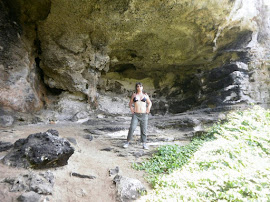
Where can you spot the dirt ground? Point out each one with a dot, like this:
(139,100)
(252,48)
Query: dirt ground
(88,159)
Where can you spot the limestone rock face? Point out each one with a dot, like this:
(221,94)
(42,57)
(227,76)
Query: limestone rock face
(20,88)
(201,53)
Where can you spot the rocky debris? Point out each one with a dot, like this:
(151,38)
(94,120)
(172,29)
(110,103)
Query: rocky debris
(72,140)
(6,120)
(82,176)
(107,149)
(128,188)
(112,128)
(40,150)
(88,137)
(83,115)
(114,171)
(123,154)
(4,146)
(94,131)
(25,118)
(29,197)
(41,183)
(138,154)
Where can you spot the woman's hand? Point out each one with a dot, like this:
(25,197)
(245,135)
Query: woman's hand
(147,110)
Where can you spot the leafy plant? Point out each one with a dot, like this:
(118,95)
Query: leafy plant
(229,163)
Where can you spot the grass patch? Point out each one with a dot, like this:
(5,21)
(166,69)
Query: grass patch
(231,163)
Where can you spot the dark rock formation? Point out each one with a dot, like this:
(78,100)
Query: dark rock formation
(5,146)
(40,150)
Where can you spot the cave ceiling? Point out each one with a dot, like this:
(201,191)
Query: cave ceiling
(87,46)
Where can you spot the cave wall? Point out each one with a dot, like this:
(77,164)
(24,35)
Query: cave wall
(188,54)
(20,83)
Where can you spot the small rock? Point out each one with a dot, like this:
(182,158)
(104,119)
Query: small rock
(122,155)
(138,154)
(6,120)
(29,197)
(100,116)
(80,116)
(222,116)
(82,176)
(88,137)
(72,140)
(36,120)
(114,171)
(128,188)
(107,149)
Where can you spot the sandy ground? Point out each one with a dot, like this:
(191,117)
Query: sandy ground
(87,159)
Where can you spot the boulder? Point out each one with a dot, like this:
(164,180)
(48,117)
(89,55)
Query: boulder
(40,150)
(128,188)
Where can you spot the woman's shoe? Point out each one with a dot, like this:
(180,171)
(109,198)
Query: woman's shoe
(145,146)
(126,145)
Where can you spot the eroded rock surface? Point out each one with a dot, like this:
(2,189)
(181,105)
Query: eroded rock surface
(89,54)
(41,183)
(20,85)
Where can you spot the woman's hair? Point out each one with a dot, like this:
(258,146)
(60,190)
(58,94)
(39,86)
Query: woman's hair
(137,84)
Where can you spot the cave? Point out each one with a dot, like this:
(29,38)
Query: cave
(189,55)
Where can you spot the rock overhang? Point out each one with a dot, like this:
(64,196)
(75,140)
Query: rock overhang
(92,46)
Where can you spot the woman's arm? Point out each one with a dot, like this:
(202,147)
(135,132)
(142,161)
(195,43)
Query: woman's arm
(131,103)
(149,104)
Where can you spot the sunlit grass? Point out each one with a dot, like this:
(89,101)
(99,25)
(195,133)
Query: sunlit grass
(231,163)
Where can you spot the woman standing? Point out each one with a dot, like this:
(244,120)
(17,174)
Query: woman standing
(140,105)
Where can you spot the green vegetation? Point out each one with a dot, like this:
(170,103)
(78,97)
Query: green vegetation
(230,163)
